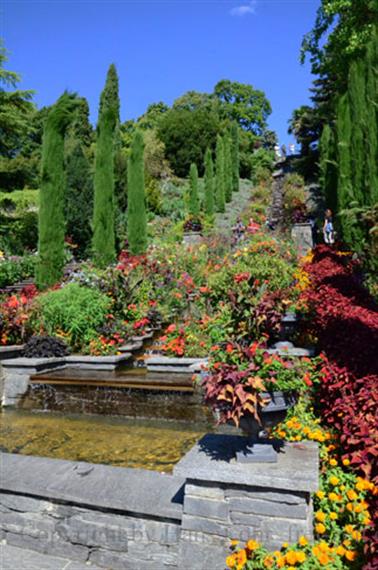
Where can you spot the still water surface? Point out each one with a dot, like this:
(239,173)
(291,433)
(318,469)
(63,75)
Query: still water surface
(148,444)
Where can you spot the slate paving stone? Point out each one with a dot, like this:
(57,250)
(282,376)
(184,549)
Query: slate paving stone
(14,558)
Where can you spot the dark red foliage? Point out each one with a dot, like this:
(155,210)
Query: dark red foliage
(344,318)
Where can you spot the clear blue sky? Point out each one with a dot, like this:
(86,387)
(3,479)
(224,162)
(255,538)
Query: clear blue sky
(161,49)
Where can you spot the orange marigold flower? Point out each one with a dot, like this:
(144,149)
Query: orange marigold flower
(320,516)
(291,557)
(301,557)
(252,545)
(320,528)
(231,561)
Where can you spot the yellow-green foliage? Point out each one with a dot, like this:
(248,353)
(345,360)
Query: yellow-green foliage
(19,201)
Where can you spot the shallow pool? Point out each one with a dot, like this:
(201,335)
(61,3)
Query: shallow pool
(148,444)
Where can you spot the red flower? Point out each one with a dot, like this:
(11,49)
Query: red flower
(239,277)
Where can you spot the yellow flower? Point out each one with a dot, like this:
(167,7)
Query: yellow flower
(234,542)
(356,535)
(349,528)
(320,528)
(352,495)
(230,561)
(280,562)
(320,494)
(285,544)
(320,516)
(334,480)
(350,507)
(333,462)
(340,550)
(346,462)
(333,516)
(291,557)
(333,497)
(303,541)
(252,545)
(301,557)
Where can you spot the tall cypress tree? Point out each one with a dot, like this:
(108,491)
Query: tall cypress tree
(357,104)
(209,183)
(328,167)
(79,199)
(136,202)
(51,206)
(227,168)
(194,207)
(220,190)
(345,194)
(103,212)
(371,120)
(235,156)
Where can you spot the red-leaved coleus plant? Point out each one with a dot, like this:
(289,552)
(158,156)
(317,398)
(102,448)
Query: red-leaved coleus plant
(344,319)
(241,376)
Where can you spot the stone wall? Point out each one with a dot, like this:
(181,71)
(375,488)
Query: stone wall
(301,234)
(135,519)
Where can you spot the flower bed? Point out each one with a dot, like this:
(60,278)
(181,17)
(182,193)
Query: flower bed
(342,317)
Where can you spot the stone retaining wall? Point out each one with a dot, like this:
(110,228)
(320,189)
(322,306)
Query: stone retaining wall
(135,519)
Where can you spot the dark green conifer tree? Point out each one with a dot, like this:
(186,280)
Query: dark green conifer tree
(219,166)
(357,105)
(371,119)
(79,199)
(345,195)
(328,167)
(103,212)
(194,206)
(209,183)
(235,156)
(136,202)
(51,205)
(228,178)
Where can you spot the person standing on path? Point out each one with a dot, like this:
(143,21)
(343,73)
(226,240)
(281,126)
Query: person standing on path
(328,231)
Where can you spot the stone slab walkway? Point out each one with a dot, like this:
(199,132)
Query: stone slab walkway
(14,558)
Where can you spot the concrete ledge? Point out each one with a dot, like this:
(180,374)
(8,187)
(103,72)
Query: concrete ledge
(36,364)
(183,364)
(11,351)
(97,362)
(212,460)
(129,490)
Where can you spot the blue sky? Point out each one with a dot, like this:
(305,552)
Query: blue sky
(162,48)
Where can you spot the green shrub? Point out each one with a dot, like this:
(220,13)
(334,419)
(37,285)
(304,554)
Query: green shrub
(294,193)
(73,313)
(13,270)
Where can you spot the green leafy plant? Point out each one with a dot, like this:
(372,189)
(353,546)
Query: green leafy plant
(73,313)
